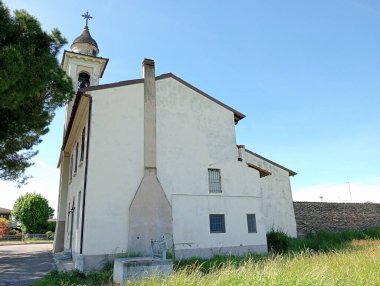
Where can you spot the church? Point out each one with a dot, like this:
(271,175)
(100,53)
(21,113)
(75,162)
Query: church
(156,158)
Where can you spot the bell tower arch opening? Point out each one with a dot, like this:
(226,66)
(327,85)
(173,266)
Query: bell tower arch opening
(83,80)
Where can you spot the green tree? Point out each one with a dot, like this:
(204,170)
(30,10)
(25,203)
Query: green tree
(32,87)
(32,211)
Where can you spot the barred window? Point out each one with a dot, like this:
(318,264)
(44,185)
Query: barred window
(217,224)
(214,181)
(251,222)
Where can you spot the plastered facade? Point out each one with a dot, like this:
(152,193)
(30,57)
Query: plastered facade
(193,134)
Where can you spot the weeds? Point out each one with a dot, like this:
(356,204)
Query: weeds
(321,258)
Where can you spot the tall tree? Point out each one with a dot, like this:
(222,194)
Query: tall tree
(32,211)
(32,87)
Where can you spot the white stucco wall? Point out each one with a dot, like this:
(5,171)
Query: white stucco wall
(115,167)
(194,134)
(75,185)
(191,221)
(277,197)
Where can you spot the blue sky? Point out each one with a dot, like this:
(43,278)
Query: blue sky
(305,73)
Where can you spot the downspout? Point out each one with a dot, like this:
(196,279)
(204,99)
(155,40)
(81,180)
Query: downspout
(85,171)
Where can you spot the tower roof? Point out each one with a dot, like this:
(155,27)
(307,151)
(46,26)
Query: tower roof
(85,44)
(85,38)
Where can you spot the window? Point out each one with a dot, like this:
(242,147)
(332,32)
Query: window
(78,209)
(251,222)
(82,144)
(217,224)
(71,166)
(76,158)
(214,181)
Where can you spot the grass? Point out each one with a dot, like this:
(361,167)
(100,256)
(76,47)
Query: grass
(95,278)
(327,241)
(323,258)
(355,266)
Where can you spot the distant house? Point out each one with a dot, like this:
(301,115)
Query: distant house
(5,213)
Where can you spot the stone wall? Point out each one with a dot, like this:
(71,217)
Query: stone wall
(313,216)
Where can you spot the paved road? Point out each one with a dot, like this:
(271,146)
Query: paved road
(21,264)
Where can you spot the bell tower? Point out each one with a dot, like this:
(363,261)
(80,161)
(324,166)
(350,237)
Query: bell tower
(82,63)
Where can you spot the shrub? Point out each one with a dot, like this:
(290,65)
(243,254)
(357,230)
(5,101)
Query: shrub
(278,241)
(4,226)
(50,234)
(12,232)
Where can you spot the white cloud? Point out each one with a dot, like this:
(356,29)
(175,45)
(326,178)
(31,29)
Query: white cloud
(360,192)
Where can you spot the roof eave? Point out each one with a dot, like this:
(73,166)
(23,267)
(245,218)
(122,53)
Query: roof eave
(291,173)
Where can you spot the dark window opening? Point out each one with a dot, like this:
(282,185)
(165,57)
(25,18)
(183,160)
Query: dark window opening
(251,222)
(76,158)
(82,144)
(83,80)
(217,223)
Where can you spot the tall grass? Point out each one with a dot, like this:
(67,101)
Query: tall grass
(327,241)
(349,267)
(320,258)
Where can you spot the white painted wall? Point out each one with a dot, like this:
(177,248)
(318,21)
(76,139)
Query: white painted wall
(194,134)
(115,167)
(76,184)
(191,221)
(277,197)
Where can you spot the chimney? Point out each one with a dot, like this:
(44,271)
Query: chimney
(150,212)
(149,114)
(241,152)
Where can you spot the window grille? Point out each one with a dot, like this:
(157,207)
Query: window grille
(214,181)
(217,223)
(251,222)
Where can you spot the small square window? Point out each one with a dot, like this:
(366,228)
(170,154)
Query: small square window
(214,181)
(251,222)
(217,224)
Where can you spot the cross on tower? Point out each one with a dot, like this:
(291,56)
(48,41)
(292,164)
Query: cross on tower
(87,17)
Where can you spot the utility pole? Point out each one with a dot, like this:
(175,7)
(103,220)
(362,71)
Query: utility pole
(349,190)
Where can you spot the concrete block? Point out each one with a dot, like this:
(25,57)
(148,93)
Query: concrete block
(134,268)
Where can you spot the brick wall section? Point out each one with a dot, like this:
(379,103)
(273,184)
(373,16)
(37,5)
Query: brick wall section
(313,216)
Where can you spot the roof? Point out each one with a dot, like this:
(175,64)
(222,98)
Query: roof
(291,173)
(85,38)
(237,115)
(263,172)
(5,211)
